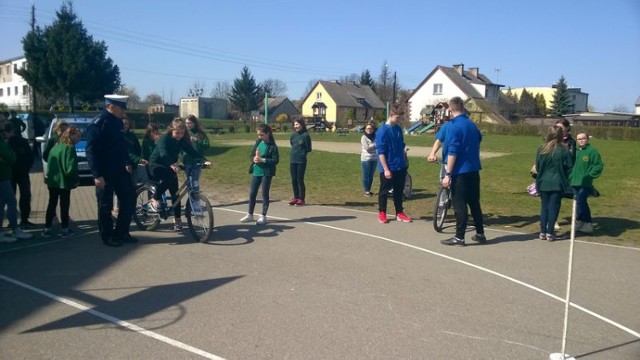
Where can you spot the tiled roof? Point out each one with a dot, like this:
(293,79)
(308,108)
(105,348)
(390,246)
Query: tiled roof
(348,94)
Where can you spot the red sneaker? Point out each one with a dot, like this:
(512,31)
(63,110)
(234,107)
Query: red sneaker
(383,217)
(402,217)
(300,202)
(293,201)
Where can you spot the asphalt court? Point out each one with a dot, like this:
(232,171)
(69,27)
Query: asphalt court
(314,283)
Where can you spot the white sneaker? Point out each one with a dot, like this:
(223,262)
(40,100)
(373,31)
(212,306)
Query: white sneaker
(19,234)
(556,226)
(5,239)
(247,218)
(586,228)
(262,220)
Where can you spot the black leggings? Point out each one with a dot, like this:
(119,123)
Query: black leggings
(166,179)
(65,202)
(297,180)
(256,181)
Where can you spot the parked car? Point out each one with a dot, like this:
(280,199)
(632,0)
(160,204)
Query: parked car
(36,126)
(78,121)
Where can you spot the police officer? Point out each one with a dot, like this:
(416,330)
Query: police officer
(111,168)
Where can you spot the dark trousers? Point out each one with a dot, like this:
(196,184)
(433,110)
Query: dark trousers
(297,180)
(24,183)
(549,210)
(166,179)
(256,182)
(465,191)
(583,213)
(65,202)
(397,184)
(122,186)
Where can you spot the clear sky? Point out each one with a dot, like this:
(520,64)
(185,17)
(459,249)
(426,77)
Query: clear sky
(165,46)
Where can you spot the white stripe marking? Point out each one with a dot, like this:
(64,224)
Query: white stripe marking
(519,282)
(114,320)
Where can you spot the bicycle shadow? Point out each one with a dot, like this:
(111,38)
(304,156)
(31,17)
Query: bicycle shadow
(244,234)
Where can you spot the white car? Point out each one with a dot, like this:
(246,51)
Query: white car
(78,121)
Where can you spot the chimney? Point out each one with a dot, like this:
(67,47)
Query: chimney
(474,71)
(459,68)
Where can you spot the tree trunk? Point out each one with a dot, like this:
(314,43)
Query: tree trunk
(71,108)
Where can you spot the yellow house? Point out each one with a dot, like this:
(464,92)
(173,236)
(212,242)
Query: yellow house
(331,101)
(579,100)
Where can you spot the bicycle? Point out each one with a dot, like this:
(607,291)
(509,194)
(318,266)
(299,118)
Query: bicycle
(443,202)
(197,210)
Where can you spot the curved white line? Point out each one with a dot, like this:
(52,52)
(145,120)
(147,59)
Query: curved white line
(519,282)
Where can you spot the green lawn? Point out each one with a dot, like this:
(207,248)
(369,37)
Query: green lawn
(334,179)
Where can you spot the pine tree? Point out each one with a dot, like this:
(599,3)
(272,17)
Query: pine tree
(366,79)
(541,105)
(245,94)
(526,104)
(561,103)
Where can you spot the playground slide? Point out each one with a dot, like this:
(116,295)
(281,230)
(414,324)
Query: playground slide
(426,128)
(415,126)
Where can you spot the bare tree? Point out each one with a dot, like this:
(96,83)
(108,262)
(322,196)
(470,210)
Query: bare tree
(384,86)
(621,108)
(309,87)
(351,78)
(197,89)
(153,99)
(134,103)
(221,90)
(274,87)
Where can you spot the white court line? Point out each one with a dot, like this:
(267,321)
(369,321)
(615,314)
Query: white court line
(478,267)
(114,320)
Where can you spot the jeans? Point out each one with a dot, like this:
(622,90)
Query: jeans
(397,184)
(368,170)
(297,180)
(465,191)
(166,179)
(256,182)
(8,198)
(549,210)
(583,213)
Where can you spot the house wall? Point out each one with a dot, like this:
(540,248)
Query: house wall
(201,107)
(15,92)
(579,100)
(425,96)
(307,110)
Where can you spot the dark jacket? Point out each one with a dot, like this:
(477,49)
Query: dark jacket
(553,169)
(271,157)
(588,166)
(168,149)
(24,156)
(133,145)
(148,146)
(300,146)
(7,158)
(107,151)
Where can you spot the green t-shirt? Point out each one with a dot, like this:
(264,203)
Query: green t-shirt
(258,169)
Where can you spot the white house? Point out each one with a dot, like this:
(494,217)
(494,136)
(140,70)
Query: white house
(443,83)
(14,91)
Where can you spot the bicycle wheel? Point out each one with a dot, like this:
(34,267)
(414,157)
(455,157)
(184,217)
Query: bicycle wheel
(143,217)
(408,187)
(199,218)
(441,208)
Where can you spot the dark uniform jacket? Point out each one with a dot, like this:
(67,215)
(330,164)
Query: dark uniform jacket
(107,150)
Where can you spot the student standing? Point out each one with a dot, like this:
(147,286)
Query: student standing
(392,164)
(20,175)
(62,176)
(368,157)
(200,142)
(151,136)
(300,147)
(264,158)
(588,166)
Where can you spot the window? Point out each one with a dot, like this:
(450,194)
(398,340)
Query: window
(15,68)
(8,91)
(318,96)
(437,89)
(1,92)
(15,90)
(25,89)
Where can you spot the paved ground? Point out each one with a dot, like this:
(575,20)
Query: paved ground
(314,283)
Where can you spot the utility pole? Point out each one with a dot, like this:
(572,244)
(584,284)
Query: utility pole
(394,88)
(266,108)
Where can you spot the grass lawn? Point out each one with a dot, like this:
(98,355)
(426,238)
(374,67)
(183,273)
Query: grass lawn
(334,179)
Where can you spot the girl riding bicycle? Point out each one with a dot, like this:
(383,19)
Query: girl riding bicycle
(163,164)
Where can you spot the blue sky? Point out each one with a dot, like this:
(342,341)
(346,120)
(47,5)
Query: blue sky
(164,46)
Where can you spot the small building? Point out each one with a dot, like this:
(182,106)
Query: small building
(278,106)
(330,101)
(204,107)
(579,100)
(605,119)
(14,90)
(164,108)
(471,85)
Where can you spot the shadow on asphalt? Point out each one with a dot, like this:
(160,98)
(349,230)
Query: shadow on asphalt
(232,235)
(147,302)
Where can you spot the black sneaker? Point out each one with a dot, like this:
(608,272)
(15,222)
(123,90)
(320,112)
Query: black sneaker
(479,238)
(112,242)
(454,241)
(26,224)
